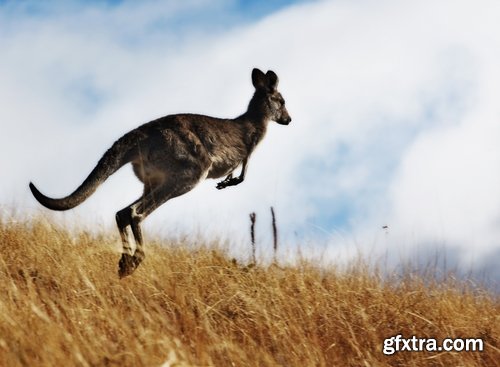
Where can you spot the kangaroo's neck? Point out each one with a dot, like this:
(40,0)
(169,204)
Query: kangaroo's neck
(253,118)
(254,125)
(256,117)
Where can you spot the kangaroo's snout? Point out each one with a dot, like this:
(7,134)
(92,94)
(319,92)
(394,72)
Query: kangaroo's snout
(284,120)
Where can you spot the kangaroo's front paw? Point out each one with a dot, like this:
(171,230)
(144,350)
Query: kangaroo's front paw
(233,181)
(221,185)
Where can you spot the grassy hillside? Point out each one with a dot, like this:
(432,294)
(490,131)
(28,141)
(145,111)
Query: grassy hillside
(62,304)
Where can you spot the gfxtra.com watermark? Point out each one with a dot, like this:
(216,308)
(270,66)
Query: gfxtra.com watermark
(413,344)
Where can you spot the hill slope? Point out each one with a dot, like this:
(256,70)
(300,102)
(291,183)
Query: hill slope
(63,304)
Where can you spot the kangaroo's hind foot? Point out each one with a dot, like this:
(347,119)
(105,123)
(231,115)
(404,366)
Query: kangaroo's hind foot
(128,264)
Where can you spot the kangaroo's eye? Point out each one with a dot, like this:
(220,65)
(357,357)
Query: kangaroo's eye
(278,100)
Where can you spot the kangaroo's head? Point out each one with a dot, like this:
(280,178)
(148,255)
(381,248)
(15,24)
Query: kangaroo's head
(267,101)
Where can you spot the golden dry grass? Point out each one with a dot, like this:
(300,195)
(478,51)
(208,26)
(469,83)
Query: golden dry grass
(62,304)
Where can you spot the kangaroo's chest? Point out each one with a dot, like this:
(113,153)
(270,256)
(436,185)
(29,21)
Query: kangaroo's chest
(224,162)
(226,148)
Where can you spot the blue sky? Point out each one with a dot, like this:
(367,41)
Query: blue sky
(394,123)
(220,12)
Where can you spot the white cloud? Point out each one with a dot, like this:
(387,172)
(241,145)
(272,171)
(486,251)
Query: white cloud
(394,107)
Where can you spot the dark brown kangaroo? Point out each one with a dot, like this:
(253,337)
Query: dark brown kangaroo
(172,154)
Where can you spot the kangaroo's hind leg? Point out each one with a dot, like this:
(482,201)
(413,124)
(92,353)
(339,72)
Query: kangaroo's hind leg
(130,259)
(140,209)
(123,220)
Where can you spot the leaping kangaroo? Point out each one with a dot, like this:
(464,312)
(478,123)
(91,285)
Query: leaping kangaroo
(172,154)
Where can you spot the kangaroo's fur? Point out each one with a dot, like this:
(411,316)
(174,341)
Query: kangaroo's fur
(172,154)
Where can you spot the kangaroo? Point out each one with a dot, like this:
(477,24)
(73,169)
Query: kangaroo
(172,154)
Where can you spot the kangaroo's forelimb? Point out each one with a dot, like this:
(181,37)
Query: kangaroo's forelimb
(233,181)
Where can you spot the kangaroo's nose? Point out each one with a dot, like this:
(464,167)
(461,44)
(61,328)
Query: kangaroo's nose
(284,120)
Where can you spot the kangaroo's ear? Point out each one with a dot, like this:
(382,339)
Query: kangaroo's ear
(259,79)
(272,80)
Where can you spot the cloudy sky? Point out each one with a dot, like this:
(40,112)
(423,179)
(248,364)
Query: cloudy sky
(395,107)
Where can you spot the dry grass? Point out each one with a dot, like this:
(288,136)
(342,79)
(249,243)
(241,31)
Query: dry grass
(62,304)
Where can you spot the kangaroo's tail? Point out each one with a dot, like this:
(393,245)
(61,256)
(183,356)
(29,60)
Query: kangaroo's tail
(115,157)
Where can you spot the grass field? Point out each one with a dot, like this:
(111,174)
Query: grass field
(62,304)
